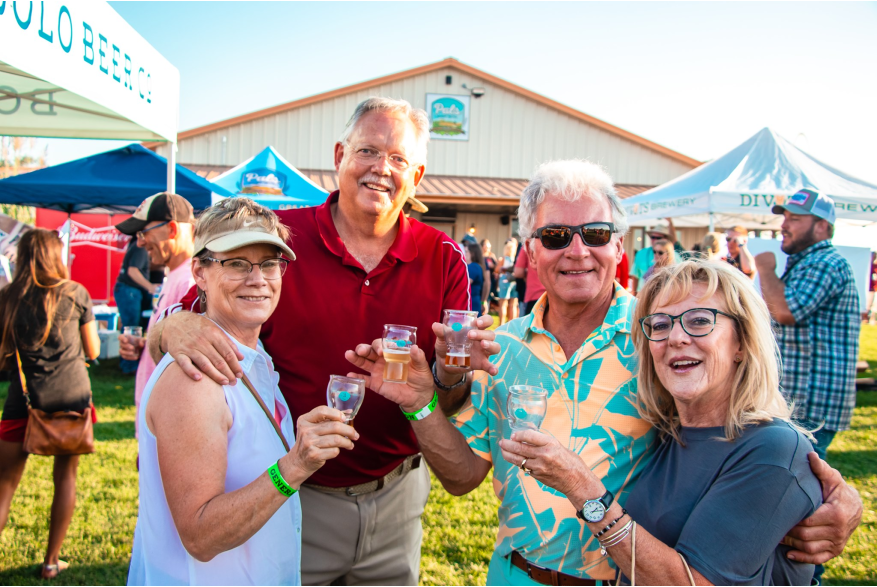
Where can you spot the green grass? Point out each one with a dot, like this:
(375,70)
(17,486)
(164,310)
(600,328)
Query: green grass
(458,532)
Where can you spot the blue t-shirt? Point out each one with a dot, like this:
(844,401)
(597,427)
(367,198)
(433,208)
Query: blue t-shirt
(476,274)
(726,505)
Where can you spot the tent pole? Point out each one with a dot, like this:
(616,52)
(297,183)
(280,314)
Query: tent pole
(172,168)
(69,238)
(712,223)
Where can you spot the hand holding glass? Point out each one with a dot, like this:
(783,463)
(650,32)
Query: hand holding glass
(526,405)
(456,325)
(397,343)
(345,394)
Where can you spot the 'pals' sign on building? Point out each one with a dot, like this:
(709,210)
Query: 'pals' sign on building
(448,116)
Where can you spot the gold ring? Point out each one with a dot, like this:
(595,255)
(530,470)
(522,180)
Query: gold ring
(524,468)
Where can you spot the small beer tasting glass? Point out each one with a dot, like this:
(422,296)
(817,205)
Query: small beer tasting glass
(526,405)
(397,343)
(133,331)
(345,394)
(457,324)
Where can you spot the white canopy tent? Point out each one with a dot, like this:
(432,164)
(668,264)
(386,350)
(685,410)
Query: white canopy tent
(77,70)
(742,186)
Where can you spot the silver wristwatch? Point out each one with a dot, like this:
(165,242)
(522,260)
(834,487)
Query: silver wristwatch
(595,509)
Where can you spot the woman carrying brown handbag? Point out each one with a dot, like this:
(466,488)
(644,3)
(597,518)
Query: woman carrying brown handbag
(47,320)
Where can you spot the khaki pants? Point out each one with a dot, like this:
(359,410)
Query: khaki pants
(371,539)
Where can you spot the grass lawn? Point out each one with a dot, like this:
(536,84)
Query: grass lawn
(458,532)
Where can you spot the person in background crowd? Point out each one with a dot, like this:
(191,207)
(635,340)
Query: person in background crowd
(216,500)
(713,246)
(665,256)
(361,511)
(164,226)
(645,258)
(478,280)
(708,381)
(506,289)
(520,282)
(157,275)
(47,320)
(738,251)
(622,273)
(535,289)
(132,286)
(490,262)
(816,307)
(576,343)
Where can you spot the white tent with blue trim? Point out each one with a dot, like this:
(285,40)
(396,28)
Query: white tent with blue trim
(742,186)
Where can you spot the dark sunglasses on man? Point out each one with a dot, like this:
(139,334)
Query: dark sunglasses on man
(559,236)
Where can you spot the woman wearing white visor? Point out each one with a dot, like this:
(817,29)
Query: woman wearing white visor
(220,464)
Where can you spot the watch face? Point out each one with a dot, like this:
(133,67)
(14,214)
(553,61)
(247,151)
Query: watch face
(593,511)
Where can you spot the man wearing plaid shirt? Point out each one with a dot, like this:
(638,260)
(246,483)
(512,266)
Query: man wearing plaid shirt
(817,307)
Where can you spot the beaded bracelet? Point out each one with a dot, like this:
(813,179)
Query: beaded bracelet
(615,521)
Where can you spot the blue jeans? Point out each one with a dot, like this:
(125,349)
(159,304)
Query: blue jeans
(823,439)
(128,300)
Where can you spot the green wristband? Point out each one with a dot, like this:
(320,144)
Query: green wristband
(279,482)
(423,412)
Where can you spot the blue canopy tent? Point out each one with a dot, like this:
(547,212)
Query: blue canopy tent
(271,181)
(116,181)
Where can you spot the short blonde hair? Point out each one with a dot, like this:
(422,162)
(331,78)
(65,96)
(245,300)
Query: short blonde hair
(755,395)
(231,214)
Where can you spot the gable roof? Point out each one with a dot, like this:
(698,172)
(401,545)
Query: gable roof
(449,62)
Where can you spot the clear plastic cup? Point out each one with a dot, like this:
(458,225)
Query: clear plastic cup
(456,325)
(397,343)
(345,394)
(133,331)
(526,405)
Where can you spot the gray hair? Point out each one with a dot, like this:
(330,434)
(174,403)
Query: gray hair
(417,116)
(568,179)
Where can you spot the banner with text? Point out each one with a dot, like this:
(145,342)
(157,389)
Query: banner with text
(75,68)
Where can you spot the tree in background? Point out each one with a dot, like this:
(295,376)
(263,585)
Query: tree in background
(20,155)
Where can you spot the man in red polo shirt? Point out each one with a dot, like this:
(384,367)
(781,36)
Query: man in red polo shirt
(361,263)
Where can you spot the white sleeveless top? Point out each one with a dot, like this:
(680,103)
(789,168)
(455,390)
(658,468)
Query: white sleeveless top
(272,556)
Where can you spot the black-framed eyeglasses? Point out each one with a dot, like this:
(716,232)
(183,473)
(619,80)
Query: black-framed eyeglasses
(695,322)
(559,236)
(238,269)
(141,233)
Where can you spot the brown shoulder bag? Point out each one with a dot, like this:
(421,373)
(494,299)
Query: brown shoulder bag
(57,433)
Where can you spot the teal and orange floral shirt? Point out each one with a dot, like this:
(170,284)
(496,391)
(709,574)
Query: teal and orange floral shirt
(591,411)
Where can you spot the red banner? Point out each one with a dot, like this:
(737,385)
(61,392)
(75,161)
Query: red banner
(96,247)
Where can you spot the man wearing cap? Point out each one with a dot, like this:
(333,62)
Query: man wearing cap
(361,264)
(816,305)
(164,226)
(645,258)
(738,253)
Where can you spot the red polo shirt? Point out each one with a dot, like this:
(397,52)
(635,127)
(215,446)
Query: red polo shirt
(328,305)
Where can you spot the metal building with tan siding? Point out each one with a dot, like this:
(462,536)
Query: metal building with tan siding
(470,184)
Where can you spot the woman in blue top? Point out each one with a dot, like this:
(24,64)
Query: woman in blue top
(731,476)
(477,273)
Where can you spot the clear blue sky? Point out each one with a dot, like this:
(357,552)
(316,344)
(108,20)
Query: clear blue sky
(697,77)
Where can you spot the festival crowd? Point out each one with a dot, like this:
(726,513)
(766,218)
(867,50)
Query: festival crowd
(686,418)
